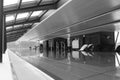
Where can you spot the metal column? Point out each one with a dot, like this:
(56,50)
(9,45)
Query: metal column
(1,27)
(69,49)
(4,41)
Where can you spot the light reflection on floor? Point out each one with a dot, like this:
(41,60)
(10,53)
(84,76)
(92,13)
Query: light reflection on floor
(88,66)
(101,59)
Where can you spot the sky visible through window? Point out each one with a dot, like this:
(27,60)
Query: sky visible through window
(28,0)
(10,18)
(36,13)
(9,2)
(22,15)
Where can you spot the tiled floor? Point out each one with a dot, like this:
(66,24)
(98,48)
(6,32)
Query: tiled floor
(101,66)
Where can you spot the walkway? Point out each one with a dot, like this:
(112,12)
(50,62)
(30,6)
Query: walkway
(61,70)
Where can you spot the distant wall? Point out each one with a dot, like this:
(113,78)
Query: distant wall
(24,48)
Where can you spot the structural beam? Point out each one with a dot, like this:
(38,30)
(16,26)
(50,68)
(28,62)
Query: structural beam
(11,39)
(28,20)
(20,1)
(16,32)
(22,28)
(39,2)
(4,35)
(35,8)
(25,22)
(14,36)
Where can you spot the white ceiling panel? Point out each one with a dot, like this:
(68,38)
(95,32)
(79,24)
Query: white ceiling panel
(77,14)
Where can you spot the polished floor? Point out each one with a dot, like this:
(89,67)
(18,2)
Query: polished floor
(88,66)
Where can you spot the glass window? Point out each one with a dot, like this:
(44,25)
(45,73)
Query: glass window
(28,0)
(28,24)
(8,28)
(9,2)
(17,26)
(22,15)
(36,13)
(10,18)
(46,0)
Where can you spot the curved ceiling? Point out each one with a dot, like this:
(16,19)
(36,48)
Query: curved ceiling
(77,16)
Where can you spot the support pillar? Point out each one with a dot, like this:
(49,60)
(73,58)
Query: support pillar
(4,35)
(1,27)
(69,49)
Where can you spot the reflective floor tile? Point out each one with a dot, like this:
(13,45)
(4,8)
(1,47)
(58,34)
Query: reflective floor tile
(115,73)
(102,77)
